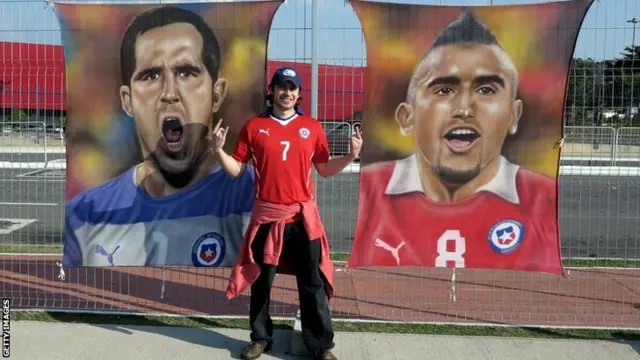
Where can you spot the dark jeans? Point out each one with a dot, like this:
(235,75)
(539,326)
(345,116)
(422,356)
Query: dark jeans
(317,331)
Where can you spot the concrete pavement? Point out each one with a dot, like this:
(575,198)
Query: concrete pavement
(52,341)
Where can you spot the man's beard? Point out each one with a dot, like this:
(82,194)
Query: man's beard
(179,168)
(454,178)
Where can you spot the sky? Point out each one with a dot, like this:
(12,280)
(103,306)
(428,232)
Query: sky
(603,35)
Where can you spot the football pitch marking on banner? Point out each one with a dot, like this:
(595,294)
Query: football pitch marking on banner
(7,226)
(47,173)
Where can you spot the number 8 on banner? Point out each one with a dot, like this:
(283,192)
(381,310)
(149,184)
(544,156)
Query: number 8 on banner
(456,255)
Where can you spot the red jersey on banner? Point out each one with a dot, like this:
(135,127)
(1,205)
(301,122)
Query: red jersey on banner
(283,150)
(510,223)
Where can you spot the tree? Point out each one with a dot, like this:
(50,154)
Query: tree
(19,115)
(585,92)
(623,83)
(597,87)
(623,74)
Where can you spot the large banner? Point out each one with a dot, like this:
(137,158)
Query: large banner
(463,109)
(146,83)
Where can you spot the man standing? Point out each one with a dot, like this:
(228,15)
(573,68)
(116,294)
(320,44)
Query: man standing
(283,144)
(457,202)
(177,207)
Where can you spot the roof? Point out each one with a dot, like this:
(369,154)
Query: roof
(32,76)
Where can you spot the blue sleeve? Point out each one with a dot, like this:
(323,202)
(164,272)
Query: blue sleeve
(72,254)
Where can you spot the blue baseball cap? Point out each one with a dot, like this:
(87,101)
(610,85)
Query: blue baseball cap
(284,74)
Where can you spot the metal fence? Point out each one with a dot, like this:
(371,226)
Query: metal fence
(599,213)
(605,145)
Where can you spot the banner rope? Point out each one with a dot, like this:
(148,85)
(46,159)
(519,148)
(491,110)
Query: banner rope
(61,274)
(453,294)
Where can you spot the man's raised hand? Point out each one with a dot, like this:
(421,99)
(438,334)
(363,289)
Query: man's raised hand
(356,143)
(219,135)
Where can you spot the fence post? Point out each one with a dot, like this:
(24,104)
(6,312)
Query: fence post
(314,58)
(350,132)
(44,142)
(614,148)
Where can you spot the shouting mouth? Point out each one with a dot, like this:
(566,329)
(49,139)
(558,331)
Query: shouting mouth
(461,139)
(172,131)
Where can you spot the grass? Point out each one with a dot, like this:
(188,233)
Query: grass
(31,249)
(373,327)
(16,141)
(567,262)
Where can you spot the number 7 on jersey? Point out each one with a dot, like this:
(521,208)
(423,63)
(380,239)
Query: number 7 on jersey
(285,150)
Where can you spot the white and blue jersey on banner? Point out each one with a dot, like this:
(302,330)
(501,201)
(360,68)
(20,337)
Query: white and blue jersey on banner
(118,224)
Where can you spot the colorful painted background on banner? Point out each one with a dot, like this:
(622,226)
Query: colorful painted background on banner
(142,185)
(460,163)
(101,137)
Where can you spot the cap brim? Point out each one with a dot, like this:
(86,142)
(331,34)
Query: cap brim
(294,83)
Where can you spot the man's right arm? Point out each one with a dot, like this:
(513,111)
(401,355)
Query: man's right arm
(230,165)
(235,164)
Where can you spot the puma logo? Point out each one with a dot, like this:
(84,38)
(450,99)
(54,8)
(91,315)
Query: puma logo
(263,131)
(102,251)
(394,251)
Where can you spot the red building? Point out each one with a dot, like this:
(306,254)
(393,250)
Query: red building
(32,77)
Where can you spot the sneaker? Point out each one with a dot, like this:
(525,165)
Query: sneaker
(254,350)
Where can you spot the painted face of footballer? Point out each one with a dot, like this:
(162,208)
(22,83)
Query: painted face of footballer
(462,110)
(172,98)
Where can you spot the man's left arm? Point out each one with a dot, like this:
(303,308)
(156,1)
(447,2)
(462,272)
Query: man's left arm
(328,167)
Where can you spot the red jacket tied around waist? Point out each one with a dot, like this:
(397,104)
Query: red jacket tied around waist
(246,271)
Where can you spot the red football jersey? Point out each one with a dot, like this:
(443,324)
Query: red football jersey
(282,152)
(489,230)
